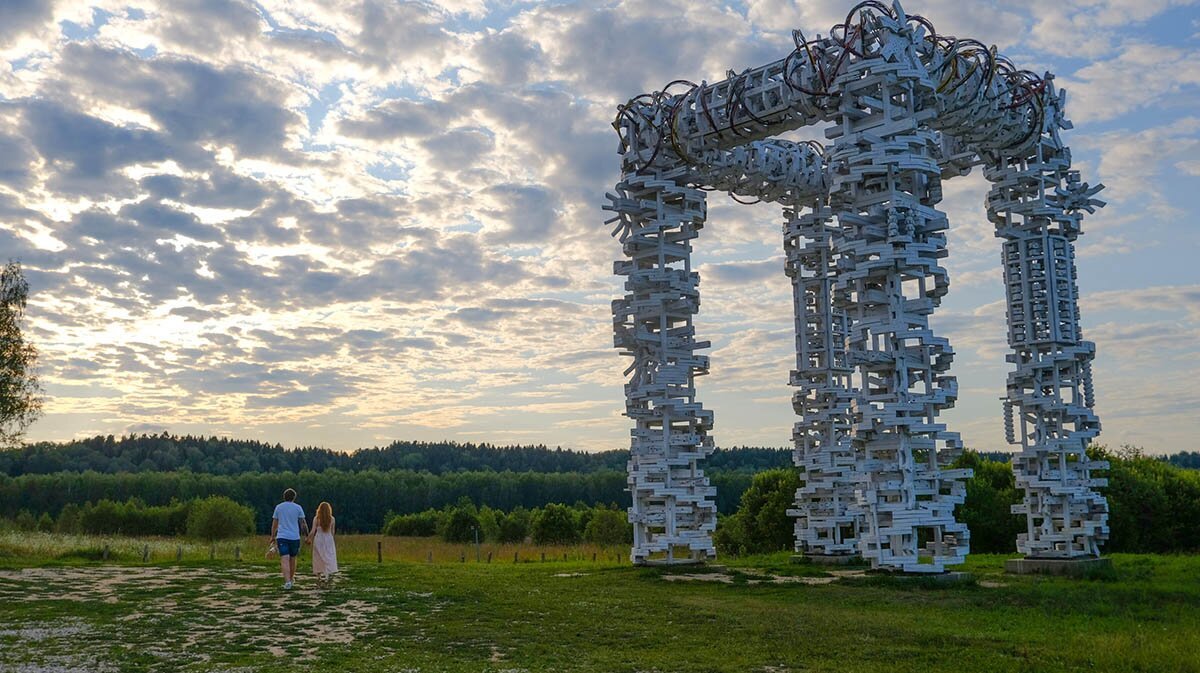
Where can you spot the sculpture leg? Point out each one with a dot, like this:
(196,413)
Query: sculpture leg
(889,244)
(673,510)
(826,519)
(1049,395)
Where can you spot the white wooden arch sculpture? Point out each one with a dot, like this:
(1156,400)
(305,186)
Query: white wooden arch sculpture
(904,108)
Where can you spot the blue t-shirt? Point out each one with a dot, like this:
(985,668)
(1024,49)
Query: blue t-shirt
(289,515)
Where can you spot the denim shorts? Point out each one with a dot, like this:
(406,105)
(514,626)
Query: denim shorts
(288,547)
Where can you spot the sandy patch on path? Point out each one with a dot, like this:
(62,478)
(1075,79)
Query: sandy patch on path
(228,609)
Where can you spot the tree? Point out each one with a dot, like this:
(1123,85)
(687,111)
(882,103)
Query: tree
(217,517)
(987,512)
(20,392)
(462,522)
(608,527)
(555,525)
(489,523)
(761,523)
(514,526)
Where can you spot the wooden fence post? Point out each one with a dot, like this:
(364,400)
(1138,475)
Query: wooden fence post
(105,551)
(515,556)
(463,558)
(145,553)
(489,557)
(178,553)
(429,559)
(543,557)
(237,553)
(593,557)
(379,552)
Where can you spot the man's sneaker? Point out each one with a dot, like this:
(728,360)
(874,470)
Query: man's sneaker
(287,585)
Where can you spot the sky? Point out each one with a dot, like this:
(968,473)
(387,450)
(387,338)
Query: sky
(346,223)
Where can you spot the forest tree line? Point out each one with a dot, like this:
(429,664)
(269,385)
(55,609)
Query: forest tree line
(220,455)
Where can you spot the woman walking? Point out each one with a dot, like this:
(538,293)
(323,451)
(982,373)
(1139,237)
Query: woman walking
(324,552)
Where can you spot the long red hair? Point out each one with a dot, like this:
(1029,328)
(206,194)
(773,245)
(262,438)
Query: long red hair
(324,518)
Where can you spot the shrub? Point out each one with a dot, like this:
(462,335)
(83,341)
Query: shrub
(423,524)
(608,527)
(103,518)
(987,512)
(217,517)
(45,523)
(132,517)
(514,526)
(489,523)
(68,519)
(460,524)
(25,520)
(555,524)
(1153,506)
(761,523)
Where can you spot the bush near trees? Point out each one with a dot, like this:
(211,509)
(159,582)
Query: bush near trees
(106,517)
(1153,505)
(761,524)
(461,523)
(991,493)
(132,517)
(514,526)
(421,524)
(218,518)
(608,527)
(25,520)
(555,524)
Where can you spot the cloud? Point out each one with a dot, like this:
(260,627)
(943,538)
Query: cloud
(206,26)
(745,273)
(458,148)
(523,213)
(403,36)
(1140,75)
(400,118)
(18,16)
(193,102)
(86,153)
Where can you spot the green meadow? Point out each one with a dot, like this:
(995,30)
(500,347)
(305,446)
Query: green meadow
(64,608)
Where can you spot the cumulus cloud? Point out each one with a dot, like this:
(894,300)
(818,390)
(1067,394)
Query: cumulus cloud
(18,16)
(1141,75)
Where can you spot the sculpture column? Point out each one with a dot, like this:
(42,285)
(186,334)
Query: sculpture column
(673,512)
(889,243)
(1035,203)
(826,520)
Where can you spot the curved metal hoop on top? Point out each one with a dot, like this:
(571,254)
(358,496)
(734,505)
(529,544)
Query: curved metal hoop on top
(905,108)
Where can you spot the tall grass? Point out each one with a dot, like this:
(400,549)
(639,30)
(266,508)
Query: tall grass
(31,548)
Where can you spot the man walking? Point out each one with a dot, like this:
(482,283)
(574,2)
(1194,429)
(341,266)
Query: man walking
(287,527)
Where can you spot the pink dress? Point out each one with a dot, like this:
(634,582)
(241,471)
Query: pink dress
(324,552)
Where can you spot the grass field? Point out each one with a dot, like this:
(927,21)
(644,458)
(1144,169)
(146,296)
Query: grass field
(62,610)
